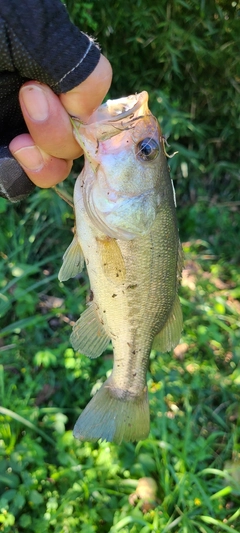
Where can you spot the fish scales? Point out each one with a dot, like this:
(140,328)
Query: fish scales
(134,264)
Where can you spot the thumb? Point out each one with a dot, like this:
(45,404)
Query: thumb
(84,99)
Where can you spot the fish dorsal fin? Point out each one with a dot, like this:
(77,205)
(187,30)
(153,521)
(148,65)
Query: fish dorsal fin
(89,336)
(180,262)
(73,261)
(169,336)
(112,260)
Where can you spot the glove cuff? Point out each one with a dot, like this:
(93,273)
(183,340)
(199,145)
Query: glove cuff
(14,183)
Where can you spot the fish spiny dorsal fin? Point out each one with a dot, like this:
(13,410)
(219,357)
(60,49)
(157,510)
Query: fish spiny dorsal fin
(180,263)
(73,261)
(169,336)
(89,336)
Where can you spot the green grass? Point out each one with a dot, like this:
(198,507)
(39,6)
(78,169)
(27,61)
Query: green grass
(49,482)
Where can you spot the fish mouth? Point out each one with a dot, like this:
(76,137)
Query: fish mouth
(115,110)
(109,119)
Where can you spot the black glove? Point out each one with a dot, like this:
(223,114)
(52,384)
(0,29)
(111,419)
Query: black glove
(37,42)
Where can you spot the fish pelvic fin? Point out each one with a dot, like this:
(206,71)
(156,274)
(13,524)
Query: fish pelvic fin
(88,335)
(73,261)
(114,415)
(169,336)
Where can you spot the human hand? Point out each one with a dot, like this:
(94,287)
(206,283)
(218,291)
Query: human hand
(46,153)
(43,57)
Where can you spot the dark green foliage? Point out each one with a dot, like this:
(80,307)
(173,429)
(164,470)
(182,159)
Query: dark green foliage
(186,55)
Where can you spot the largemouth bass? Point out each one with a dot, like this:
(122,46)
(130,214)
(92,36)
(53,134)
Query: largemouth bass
(126,231)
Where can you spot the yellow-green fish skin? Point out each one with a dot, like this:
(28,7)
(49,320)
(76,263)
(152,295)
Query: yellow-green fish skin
(134,279)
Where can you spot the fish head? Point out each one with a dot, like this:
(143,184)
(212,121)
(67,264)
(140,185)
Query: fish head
(121,181)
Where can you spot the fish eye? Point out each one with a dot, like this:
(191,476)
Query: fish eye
(147,149)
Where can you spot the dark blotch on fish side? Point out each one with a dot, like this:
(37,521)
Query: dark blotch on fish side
(91,296)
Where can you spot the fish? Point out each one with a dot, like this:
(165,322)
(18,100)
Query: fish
(127,235)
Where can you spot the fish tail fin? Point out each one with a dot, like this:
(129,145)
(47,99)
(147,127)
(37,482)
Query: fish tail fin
(114,415)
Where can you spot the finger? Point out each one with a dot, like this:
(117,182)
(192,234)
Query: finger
(46,154)
(47,121)
(43,169)
(47,115)
(84,99)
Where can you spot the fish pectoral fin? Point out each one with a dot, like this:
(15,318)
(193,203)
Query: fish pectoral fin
(169,336)
(112,260)
(73,261)
(88,335)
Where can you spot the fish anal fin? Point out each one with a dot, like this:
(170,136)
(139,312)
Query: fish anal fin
(73,261)
(112,260)
(169,336)
(88,335)
(114,417)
